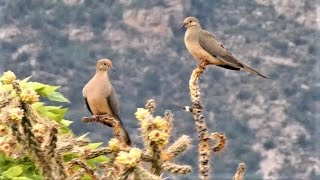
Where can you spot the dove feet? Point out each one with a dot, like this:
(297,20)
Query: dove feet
(203,63)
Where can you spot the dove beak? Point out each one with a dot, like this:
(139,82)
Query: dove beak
(184,25)
(113,69)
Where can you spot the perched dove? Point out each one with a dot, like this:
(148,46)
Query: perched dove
(203,46)
(100,96)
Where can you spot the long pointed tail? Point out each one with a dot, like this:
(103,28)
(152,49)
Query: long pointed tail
(251,70)
(233,61)
(124,134)
(126,137)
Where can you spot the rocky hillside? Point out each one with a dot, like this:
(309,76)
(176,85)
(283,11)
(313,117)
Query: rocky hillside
(271,125)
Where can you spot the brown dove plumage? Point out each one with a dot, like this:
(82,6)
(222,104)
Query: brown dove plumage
(100,96)
(203,46)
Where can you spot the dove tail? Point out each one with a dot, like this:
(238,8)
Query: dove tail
(229,67)
(127,138)
(251,70)
(124,133)
(233,61)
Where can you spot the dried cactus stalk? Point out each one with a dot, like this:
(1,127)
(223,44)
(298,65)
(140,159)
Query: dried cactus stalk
(240,172)
(221,139)
(178,147)
(175,168)
(142,174)
(201,127)
(107,120)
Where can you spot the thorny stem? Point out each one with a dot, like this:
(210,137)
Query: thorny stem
(202,130)
(97,152)
(35,146)
(88,169)
(55,155)
(110,122)
(156,165)
(5,102)
(220,138)
(240,172)
(52,142)
(126,174)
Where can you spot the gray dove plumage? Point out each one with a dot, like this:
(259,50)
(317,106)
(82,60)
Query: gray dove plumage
(100,96)
(204,46)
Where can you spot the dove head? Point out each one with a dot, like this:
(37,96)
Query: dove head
(104,65)
(191,22)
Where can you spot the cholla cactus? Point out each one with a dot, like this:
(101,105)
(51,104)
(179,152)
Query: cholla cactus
(156,132)
(205,139)
(128,161)
(26,133)
(240,172)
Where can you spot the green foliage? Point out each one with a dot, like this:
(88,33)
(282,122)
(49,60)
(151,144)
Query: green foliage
(18,169)
(95,161)
(13,172)
(51,112)
(45,90)
(94,145)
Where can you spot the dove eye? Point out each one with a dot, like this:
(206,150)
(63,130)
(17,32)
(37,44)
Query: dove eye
(190,21)
(105,64)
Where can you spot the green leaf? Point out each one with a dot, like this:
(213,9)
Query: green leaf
(94,145)
(37,105)
(58,97)
(64,126)
(66,122)
(86,177)
(58,111)
(42,89)
(52,112)
(69,156)
(22,178)
(48,91)
(92,162)
(13,172)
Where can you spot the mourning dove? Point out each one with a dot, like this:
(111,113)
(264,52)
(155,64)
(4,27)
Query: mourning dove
(203,46)
(100,96)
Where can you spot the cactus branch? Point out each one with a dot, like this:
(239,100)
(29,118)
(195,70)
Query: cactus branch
(240,172)
(202,130)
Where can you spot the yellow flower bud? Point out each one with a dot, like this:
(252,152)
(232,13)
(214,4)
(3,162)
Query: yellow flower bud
(135,153)
(15,114)
(145,125)
(129,159)
(29,96)
(160,123)
(38,129)
(141,114)
(124,159)
(8,77)
(159,137)
(114,144)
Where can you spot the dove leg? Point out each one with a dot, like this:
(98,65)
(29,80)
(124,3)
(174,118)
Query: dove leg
(203,62)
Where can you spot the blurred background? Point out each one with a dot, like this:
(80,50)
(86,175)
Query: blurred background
(271,125)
